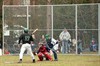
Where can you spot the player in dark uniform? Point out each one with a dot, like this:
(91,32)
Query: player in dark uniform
(26,40)
(50,45)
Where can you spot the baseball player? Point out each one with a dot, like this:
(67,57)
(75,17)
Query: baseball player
(26,40)
(51,45)
(43,52)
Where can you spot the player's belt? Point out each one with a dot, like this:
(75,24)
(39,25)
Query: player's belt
(26,43)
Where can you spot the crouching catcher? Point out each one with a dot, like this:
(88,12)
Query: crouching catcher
(43,52)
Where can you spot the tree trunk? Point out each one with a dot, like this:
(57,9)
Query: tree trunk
(48,16)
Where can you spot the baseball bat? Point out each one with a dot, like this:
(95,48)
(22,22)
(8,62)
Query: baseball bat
(34,30)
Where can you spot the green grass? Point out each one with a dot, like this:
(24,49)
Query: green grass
(64,60)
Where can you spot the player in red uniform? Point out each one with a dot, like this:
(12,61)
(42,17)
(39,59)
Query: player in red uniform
(43,52)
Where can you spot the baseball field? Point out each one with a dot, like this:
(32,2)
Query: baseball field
(64,60)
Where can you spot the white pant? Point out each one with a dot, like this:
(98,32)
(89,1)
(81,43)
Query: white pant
(28,48)
(55,47)
(0,52)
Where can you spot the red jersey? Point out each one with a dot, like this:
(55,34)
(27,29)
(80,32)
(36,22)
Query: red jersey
(42,49)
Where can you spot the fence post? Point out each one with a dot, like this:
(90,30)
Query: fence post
(99,29)
(76,25)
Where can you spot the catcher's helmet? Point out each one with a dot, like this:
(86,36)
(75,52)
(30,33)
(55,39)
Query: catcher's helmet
(25,30)
(41,43)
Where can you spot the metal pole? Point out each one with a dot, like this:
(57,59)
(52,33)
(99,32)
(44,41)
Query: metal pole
(3,29)
(52,19)
(76,25)
(27,17)
(99,29)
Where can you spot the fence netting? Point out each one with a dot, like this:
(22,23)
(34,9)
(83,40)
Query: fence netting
(81,20)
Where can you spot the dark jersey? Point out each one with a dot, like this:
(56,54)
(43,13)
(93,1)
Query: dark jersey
(25,38)
(50,45)
(0,44)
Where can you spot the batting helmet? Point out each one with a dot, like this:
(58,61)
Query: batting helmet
(25,30)
(47,36)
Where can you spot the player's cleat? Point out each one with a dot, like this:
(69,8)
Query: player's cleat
(19,61)
(38,60)
(51,59)
(33,60)
(56,60)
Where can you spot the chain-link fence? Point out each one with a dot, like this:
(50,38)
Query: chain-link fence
(81,20)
